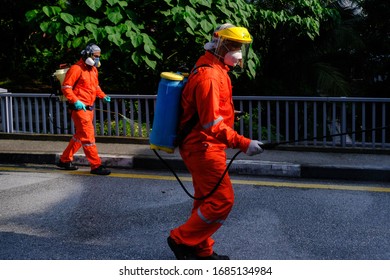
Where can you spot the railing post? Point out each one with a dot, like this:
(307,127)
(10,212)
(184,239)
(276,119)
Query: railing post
(343,124)
(8,112)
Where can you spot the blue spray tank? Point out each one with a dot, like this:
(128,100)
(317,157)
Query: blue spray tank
(167,111)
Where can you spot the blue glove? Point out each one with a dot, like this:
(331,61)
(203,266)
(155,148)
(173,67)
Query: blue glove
(107,99)
(80,105)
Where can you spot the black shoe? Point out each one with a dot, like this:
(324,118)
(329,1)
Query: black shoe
(67,165)
(181,251)
(101,170)
(214,256)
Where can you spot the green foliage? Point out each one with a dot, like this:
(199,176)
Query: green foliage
(142,38)
(301,17)
(138,39)
(252,125)
(131,129)
(299,46)
(113,22)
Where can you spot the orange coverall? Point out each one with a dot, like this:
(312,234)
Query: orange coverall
(81,83)
(208,92)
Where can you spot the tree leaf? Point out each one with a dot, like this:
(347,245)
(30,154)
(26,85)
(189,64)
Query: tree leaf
(136,58)
(78,29)
(190,31)
(206,3)
(68,18)
(206,26)
(123,3)
(60,38)
(69,30)
(114,15)
(147,49)
(94,4)
(51,11)
(110,30)
(44,26)
(116,39)
(99,34)
(112,2)
(158,55)
(30,15)
(136,39)
(90,27)
(151,63)
(92,20)
(76,43)
(192,22)
(251,68)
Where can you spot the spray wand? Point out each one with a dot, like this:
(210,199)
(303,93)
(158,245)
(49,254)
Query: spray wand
(272,145)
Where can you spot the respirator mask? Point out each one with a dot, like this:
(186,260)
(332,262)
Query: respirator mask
(95,61)
(91,55)
(233,58)
(233,54)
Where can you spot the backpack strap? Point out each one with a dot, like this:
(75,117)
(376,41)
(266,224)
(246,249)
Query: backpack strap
(190,124)
(70,105)
(78,79)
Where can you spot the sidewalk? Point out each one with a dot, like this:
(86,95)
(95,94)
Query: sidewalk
(138,155)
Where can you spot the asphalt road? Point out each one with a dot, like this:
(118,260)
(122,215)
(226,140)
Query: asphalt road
(48,214)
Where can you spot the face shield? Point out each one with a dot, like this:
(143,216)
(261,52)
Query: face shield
(232,53)
(230,44)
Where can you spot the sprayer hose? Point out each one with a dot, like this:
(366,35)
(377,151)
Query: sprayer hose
(182,185)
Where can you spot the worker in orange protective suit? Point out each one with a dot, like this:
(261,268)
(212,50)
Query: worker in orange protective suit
(81,87)
(208,93)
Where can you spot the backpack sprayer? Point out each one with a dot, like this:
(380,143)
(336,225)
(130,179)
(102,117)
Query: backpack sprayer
(57,80)
(164,135)
(166,119)
(59,75)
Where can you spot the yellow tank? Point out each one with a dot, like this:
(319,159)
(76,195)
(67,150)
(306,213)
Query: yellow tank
(60,76)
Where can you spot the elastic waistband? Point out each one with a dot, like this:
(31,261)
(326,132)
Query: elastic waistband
(88,107)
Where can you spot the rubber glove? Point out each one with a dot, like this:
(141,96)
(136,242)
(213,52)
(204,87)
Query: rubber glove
(254,148)
(80,105)
(107,99)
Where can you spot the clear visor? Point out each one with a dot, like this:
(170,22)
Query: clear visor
(232,53)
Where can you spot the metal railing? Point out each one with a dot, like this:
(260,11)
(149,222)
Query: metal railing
(294,121)
(126,115)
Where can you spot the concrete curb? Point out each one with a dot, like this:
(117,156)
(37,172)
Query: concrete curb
(243,167)
(38,158)
(126,162)
(266,168)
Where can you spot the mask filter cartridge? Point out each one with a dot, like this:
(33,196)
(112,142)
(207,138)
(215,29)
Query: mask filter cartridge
(89,61)
(93,62)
